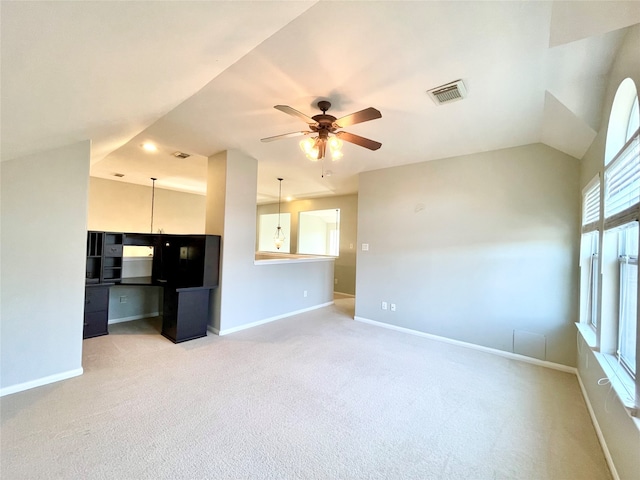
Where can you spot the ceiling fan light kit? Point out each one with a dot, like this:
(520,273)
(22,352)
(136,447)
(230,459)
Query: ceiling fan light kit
(327,127)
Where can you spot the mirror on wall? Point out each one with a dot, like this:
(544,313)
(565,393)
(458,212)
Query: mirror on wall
(267,230)
(319,232)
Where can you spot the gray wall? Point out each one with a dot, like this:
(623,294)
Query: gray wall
(273,290)
(44,220)
(476,248)
(619,429)
(138,302)
(345,264)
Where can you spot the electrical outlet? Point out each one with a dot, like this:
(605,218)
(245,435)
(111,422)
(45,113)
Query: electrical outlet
(365,247)
(393,307)
(335,281)
(123,299)
(383,305)
(304,293)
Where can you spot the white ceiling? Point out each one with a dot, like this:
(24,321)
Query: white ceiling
(203,77)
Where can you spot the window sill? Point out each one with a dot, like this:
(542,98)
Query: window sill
(588,334)
(272,258)
(619,379)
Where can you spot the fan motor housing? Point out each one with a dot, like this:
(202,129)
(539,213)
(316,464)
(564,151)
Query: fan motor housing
(325,122)
(324,105)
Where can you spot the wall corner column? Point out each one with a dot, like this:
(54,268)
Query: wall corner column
(231,212)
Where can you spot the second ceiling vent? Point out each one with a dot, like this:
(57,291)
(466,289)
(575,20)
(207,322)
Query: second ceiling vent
(448,93)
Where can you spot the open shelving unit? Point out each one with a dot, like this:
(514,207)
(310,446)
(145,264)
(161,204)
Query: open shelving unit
(94,257)
(112,257)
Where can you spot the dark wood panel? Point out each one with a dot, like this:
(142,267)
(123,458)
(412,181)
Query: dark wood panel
(95,324)
(113,250)
(185,314)
(96,299)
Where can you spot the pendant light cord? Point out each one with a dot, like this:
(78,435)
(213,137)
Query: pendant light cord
(153,200)
(279,200)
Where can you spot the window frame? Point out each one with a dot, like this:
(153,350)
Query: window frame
(625,259)
(604,280)
(589,262)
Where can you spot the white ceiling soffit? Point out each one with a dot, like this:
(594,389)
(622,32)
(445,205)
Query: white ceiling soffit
(574,20)
(105,71)
(576,74)
(562,130)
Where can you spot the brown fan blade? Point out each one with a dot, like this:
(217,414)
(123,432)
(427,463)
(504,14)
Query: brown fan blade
(363,142)
(284,135)
(358,117)
(293,112)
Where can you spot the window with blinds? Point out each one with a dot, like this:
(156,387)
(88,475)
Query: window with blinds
(591,206)
(628,309)
(610,241)
(622,178)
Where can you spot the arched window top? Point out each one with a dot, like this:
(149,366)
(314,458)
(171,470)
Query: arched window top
(624,120)
(634,119)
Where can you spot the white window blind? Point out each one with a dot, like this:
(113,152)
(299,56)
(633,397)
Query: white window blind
(591,203)
(626,351)
(622,178)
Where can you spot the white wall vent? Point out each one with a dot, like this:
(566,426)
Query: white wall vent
(448,93)
(181,155)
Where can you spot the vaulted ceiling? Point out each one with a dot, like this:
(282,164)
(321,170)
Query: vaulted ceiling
(203,77)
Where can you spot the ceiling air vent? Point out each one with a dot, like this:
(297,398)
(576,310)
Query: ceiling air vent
(448,93)
(181,155)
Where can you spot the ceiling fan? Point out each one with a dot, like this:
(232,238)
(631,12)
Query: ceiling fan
(327,126)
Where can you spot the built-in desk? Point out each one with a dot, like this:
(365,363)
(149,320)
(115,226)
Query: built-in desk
(185,310)
(185,266)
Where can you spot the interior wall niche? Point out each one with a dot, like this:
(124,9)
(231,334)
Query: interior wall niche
(319,232)
(268,222)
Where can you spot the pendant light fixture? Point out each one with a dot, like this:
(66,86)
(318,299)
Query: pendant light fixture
(279,238)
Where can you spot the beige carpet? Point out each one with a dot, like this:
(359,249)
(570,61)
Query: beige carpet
(315,396)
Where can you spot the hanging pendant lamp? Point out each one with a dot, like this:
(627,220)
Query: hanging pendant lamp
(278,238)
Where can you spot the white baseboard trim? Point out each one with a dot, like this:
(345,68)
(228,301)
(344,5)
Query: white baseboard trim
(596,426)
(494,351)
(227,331)
(20,387)
(133,317)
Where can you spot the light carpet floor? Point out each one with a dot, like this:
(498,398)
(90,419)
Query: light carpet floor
(314,396)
